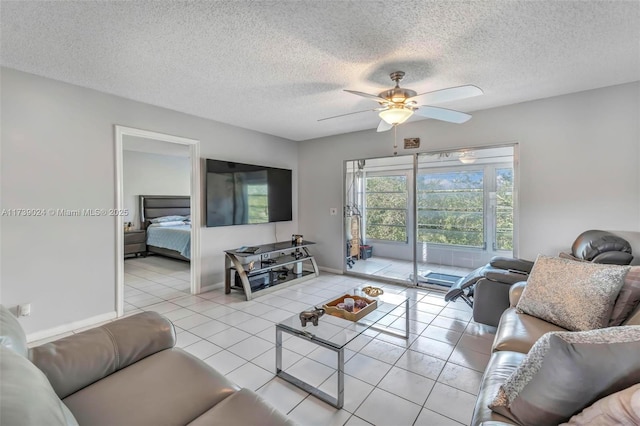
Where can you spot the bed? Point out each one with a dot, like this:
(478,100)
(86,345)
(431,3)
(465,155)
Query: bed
(171,238)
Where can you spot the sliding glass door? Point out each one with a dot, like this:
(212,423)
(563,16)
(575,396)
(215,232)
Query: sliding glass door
(464,211)
(379,217)
(428,218)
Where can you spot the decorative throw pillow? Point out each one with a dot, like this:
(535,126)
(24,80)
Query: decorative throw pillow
(168,224)
(11,334)
(27,395)
(628,298)
(564,372)
(620,408)
(577,296)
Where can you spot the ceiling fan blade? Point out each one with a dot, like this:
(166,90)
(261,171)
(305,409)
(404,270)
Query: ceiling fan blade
(450,94)
(367,95)
(349,113)
(442,114)
(384,126)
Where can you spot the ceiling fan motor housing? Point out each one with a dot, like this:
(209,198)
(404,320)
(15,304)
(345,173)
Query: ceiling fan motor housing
(397,94)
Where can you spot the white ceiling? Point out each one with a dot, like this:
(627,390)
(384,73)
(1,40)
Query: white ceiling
(279,66)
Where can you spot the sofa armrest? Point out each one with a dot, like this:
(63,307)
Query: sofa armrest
(490,299)
(510,263)
(515,292)
(565,255)
(77,361)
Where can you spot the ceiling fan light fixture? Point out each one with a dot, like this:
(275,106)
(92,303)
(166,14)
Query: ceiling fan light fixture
(467,158)
(395,115)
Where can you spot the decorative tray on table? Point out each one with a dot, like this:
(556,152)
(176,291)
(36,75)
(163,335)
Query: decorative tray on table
(336,307)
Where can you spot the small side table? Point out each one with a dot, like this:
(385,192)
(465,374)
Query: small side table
(135,242)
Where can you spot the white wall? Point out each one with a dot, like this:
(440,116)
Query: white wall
(579,167)
(58,152)
(145,173)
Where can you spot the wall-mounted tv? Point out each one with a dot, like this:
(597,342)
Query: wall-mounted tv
(240,194)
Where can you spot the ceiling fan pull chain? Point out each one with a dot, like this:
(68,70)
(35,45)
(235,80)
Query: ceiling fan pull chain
(395,139)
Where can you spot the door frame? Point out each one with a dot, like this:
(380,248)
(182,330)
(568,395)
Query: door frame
(194,153)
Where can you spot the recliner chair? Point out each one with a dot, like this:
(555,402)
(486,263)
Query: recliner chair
(600,247)
(486,289)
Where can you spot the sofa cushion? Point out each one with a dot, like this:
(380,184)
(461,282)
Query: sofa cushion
(574,295)
(518,332)
(242,408)
(170,387)
(564,372)
(620,408)
(76,361)
(628,298)
(27,396)
(500,367)
(11,334)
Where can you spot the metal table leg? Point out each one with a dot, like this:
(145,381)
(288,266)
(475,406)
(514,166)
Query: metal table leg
(336,402)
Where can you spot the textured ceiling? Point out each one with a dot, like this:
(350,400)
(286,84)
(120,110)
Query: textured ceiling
(279,66)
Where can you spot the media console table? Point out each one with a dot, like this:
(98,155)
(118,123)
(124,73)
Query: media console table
(265,268)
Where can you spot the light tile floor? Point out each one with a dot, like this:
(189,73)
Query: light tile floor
(430,379)
(402,270)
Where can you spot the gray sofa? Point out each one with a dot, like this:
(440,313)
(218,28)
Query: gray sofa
(515,335)
(126,372)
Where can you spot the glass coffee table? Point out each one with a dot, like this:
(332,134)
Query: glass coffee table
(335,333)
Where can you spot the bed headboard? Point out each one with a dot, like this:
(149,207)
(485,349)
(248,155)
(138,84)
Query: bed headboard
(152,206)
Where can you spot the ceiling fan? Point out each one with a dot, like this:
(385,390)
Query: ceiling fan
(398,104)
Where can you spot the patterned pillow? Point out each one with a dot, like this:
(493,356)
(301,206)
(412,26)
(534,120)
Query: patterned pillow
(564,372)
(628,298)
(620,408)
(577,296)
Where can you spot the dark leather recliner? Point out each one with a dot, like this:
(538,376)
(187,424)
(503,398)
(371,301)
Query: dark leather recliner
(486,289)
(600,247)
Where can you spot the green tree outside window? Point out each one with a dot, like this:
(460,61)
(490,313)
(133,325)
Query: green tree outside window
(386,201)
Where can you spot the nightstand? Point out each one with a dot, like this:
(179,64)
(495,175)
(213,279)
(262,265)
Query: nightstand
(135,242)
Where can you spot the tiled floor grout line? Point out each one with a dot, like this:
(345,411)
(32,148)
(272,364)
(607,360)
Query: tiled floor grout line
(325,284)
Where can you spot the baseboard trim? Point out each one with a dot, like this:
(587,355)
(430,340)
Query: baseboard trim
(65,328)
(333,271)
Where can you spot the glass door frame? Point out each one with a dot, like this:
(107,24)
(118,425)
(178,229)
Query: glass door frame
(412,212)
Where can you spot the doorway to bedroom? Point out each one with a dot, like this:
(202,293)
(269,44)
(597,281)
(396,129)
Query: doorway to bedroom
(157,250)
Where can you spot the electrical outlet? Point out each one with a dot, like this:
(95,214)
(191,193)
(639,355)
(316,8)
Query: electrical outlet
(333,211)
(24,310)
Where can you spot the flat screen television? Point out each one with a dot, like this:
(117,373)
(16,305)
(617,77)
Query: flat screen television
(240,194)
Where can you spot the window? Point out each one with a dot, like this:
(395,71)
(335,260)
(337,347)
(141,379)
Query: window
(258,202)
(386,208)
(451,208)
(504,209)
